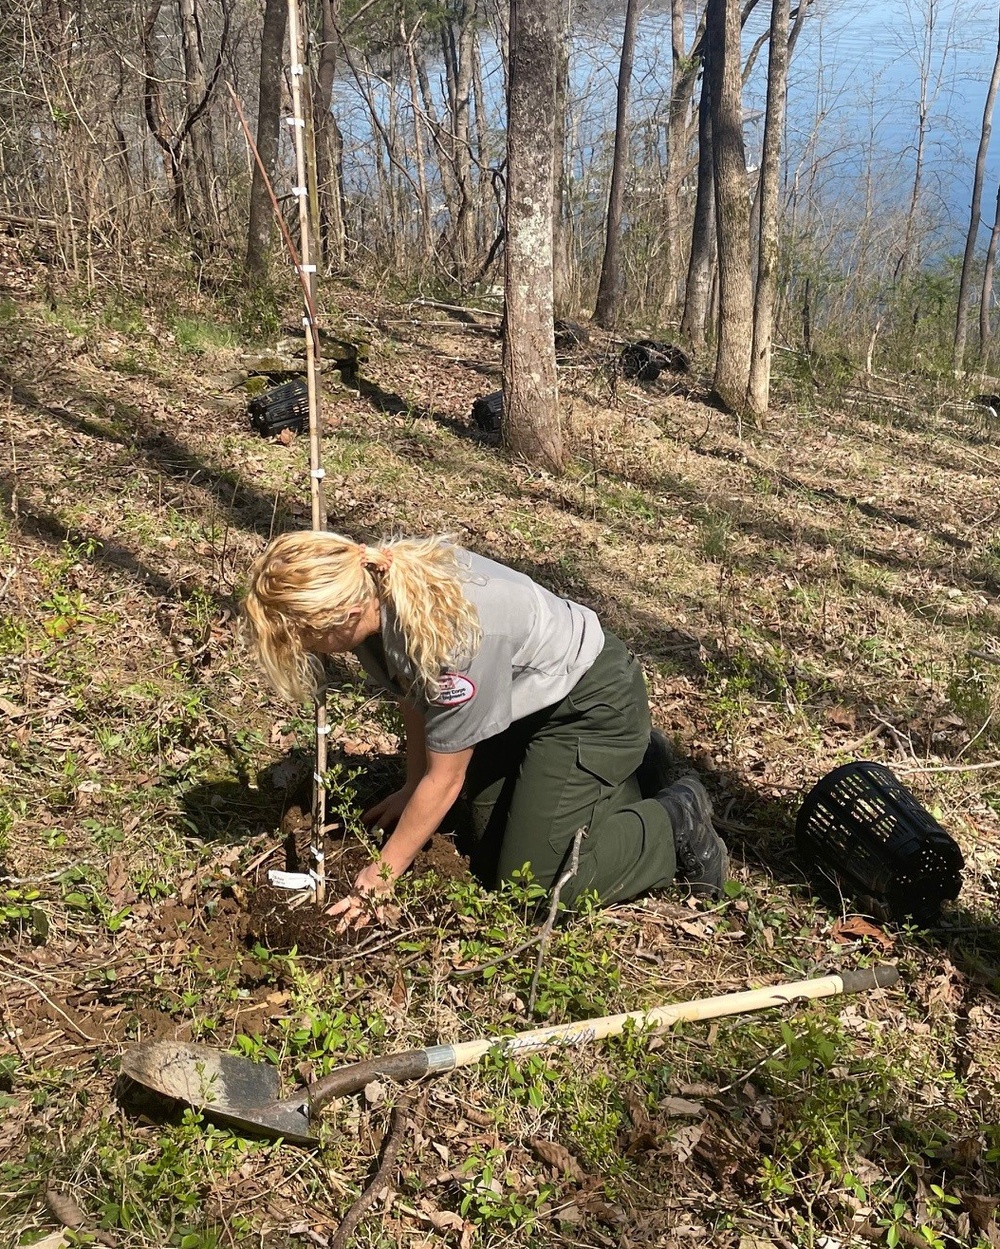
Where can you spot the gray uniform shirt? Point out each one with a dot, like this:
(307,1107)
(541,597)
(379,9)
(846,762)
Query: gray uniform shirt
(535,648)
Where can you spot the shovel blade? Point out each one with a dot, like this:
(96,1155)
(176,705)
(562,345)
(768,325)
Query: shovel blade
(234,1091)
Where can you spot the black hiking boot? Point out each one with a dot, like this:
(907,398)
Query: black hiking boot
(702,858)
(653,774)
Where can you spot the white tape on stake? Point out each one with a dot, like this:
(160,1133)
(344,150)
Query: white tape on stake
(300,190)
(307,268)
(319,474)
(298,70)
(295,121)
(324,729)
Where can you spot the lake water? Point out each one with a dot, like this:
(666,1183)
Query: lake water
(853,103)
(854,96)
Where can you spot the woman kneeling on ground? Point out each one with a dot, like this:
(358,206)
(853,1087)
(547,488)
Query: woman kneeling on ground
(511,696)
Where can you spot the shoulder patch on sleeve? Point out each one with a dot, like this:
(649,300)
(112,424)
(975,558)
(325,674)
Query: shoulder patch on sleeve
(454,690)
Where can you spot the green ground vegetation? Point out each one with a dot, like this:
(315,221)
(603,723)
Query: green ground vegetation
(822,590)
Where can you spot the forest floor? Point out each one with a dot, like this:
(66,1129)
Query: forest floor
(820,591)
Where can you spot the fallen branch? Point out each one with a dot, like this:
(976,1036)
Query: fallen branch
(472,312)
(550,923)
(398,1124)
(951,767)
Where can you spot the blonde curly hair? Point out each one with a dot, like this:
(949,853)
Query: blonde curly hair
(313,581)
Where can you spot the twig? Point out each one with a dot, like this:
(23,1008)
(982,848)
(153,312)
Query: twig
(397,1130)
(972,741)
(45,998)
(501,958)
(434,303)
(38,880)
(546,933)
(954,767)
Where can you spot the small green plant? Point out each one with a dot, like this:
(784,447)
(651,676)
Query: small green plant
(18,912)
(492,1198)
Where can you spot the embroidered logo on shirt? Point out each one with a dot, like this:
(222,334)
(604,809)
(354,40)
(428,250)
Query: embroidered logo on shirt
(454,690)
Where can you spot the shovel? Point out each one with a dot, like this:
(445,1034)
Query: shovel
(246,1095)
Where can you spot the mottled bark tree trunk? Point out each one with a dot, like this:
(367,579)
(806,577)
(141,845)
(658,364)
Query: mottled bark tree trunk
(682,78)
(759,388)
(732,206)
(986,295)
(561,232)
(610,286)
(329,147)
(965,284)
(201,205)
(261,228)
(530,413)
(699,274)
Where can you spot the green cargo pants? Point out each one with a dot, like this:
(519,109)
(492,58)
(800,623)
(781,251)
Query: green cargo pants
(572,766)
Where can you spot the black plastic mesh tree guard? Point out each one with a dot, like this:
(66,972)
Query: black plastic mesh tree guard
(281,407)
(864,834)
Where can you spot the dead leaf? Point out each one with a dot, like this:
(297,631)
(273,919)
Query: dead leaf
(397,994)
(65,1209)
(681,1107)
(445,1220)
(684,1140)
(854,928)
(981,1209)
(119,888)
(841,717)
(286,437)
(558,1157)
(945,990)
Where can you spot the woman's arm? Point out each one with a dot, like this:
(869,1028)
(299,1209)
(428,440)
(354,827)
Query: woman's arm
(387,810)
(430,802)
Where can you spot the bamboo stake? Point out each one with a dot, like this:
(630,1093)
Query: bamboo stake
(306,276)
(316,473)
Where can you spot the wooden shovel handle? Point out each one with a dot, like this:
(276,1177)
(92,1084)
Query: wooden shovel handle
(414,1064)
(410,1065)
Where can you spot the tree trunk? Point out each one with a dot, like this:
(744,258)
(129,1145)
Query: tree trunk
(261,227)
(732,206)
(465,227)
(759,388)
(682,78)
(530,420)
(610,286)
(699,274)
(419,150)
(201,205)
(563,273)
(965,283)
(989,269)
(329,148)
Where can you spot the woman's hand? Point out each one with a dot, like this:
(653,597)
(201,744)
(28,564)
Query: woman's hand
(361,905)
(385,814)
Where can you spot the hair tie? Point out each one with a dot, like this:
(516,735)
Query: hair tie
(380,562)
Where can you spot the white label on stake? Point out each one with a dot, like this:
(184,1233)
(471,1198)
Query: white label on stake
(289,880)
